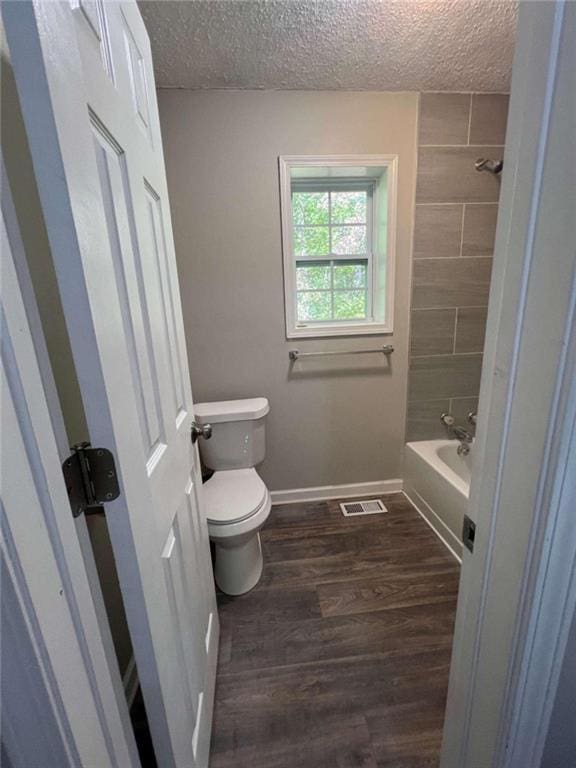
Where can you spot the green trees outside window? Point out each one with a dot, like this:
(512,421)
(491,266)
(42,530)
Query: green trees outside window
(330,240)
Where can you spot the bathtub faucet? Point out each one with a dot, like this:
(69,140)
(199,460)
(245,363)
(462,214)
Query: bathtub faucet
(461,434)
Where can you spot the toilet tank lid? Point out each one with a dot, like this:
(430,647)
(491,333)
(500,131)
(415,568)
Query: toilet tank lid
(231,410)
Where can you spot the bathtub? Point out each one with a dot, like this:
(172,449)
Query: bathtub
(437,482)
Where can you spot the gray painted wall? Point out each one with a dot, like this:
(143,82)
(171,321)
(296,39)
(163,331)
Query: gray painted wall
(455,224)
(332,421)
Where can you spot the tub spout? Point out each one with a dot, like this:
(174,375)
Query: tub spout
(459,433)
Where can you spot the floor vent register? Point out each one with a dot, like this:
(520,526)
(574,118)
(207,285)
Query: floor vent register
(365,507)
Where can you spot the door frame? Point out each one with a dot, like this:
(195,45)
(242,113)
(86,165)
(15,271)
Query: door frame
(517,594)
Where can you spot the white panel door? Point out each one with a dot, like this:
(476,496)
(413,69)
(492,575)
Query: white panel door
(84,76)
(62,704)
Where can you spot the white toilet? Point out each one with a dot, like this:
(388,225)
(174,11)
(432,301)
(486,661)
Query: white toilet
(236,500)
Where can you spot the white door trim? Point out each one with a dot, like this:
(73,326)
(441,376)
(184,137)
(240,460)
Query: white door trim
(508,587)
(549,603)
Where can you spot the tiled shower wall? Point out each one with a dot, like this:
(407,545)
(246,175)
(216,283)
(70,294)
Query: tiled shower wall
(456,208)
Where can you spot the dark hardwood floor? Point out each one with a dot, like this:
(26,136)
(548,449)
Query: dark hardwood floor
(339,658)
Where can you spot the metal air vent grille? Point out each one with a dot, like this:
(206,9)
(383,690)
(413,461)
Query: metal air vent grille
(363,507)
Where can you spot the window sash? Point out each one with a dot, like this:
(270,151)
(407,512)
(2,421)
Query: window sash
(334,291)
(337,185)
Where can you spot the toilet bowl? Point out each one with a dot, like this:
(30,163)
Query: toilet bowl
(237,506)
(237,501)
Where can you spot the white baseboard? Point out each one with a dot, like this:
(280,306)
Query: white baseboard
(325,492)
(130,681)
(438,526)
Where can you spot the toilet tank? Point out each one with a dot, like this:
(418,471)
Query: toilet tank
(238,432)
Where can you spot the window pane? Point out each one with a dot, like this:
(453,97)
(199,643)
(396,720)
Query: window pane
(314,305)
(348,240)
(313,276)
(347,275)
(310,208)
(349,207)
(350,305)
(312,241)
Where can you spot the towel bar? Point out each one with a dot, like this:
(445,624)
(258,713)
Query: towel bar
(387,349)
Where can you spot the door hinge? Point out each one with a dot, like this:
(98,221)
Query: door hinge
(90,477)
(468,533)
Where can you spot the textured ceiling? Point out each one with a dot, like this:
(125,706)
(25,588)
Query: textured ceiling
(415,45)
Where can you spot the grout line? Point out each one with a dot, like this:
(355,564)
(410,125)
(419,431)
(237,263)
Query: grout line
(446,258)
(455,331)
(468,202)
(424,258)
(458,202)
(449,354)
(443,258)
(424,92)
(465,306)
(431,309)
(462,230)
(470,124)
(443,399)
(461,146)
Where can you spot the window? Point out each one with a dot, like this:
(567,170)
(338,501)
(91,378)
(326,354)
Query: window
(337,221)
(332,237)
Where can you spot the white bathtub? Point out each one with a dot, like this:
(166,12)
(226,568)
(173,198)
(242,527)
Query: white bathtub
(437,482)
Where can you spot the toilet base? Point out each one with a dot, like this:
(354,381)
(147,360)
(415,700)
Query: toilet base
(238,568)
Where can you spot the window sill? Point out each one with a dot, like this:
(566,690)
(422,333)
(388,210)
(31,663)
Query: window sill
(325,331)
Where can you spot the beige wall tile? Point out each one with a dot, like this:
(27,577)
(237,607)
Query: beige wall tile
(470,330)
(424,420)
(443,284)
(479,229)
(437,231)
(488,120)
(432,331)
(448,175)
(451,283)
(444,376)
(444,118)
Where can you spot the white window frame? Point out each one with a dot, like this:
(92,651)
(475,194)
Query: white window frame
(345,185)
(377,261)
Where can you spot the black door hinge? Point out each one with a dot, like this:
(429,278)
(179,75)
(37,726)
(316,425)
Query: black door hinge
(90,477)
(468,533)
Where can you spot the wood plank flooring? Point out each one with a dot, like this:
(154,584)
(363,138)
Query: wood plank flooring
(339,658)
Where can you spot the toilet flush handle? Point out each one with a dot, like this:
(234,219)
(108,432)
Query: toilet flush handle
(198,430)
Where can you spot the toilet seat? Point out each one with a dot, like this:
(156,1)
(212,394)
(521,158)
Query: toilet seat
(234,495)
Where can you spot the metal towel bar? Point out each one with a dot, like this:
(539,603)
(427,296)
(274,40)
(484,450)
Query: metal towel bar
(387,349)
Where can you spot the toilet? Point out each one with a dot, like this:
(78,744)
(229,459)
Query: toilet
(236,500)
